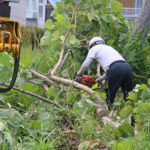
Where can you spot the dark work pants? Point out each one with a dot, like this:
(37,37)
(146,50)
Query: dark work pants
(118,75)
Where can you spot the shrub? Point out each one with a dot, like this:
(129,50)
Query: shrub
(28,35)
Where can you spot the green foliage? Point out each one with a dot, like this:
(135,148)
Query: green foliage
(123,146)
(125,112)
(29,124)
(137,143)
(6,67)
(138,56)
(138,107)
(6,140)
(142,115)
(28,35)
(94,21)
(124,131)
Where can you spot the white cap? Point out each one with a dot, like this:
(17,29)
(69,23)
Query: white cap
(96,39)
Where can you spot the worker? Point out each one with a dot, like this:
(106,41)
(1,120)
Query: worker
(118,73)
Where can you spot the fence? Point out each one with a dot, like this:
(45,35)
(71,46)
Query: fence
(130,13)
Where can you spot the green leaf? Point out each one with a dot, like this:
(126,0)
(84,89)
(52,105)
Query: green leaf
(122,146)
(94,86)
(117,6)
(80,104)
(143,86)
(117,103)
(52,93)
(20,82)
(9,139)
(109,18)
(45,40)
(72,40)
(148,82)
(44,115)
(35,124)
(125,112)
(124,131)
(110,42)
(62,37)
(145,94)
(133,96)
(49,25)
(2,126)
(140,76)
(60,18)
(90,16)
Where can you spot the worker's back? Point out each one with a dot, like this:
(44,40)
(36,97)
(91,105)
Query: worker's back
(105,55)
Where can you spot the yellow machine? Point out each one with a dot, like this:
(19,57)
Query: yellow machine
(10,38)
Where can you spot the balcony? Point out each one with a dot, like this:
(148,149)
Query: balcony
(31,15)
(130,13)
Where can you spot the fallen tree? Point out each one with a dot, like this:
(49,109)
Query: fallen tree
(101,107)
(70,37)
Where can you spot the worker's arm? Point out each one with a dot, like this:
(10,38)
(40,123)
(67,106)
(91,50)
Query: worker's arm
(85,65)
(100,79)
(83,68)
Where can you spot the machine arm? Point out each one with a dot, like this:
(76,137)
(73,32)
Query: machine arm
(10,38)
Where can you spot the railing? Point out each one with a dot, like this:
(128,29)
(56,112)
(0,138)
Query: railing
(130,13)
(31,15)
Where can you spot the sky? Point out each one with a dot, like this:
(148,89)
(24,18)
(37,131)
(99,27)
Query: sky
(54,1)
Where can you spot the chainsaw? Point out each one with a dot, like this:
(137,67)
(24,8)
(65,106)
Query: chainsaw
(89,81)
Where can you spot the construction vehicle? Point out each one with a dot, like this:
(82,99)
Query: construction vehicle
(10,38)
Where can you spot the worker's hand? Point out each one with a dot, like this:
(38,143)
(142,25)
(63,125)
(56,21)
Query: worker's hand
(99,80)
(77,78)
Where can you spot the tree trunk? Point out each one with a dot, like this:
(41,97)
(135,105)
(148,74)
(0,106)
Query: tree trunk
(142,23)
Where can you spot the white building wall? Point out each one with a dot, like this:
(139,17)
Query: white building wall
(35,14)
(18,12)
(41,6)
(29,12)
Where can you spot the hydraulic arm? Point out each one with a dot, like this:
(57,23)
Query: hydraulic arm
(10,38)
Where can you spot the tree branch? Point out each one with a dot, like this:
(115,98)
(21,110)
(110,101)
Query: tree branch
(64,59)
(34,95)
(34,82)
(76,85)
(142,23)
(98,70)
(101,107)
(90,6)
(64,42)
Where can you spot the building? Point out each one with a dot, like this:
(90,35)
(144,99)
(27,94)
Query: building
(131,8)
(18,12)
(31,12)
(37,12)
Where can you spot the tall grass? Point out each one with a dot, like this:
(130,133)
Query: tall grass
(27,55)
(30,35)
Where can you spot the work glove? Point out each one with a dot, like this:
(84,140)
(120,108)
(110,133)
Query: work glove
(77,78)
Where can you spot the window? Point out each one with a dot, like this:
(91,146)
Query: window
(138,3)
(40,1)
(40,11)
(34,5)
